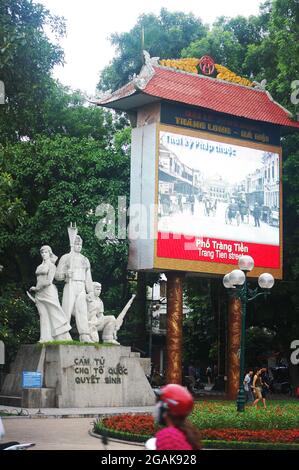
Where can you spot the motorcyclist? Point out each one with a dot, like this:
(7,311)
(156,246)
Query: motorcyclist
(174,404)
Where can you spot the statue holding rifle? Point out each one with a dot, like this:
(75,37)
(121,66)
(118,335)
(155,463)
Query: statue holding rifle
(74,269)
(107,324)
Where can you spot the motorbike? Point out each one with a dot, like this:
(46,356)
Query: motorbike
(280,382)
(195,386)
(156,379)
(16,445)
(12,445)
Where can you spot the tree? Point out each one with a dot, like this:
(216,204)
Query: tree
(11,208)
(61,180)
(19,322)
(249,30)
(66,112)
(26,59)
(229,39)
(69,177)
(199,324)
(59,159)
(164,36)
(219,44)
(266,46)
(275,58)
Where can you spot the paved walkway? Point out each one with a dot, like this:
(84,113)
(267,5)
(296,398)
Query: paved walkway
(55,433)
(73,412)
(59,434)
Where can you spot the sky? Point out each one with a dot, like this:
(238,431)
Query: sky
(91,22)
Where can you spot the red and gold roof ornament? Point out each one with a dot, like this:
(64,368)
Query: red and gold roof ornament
(223,73)
(207,65)
(187,65)
(185,81)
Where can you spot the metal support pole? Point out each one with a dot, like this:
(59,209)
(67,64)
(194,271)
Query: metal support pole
(174,327)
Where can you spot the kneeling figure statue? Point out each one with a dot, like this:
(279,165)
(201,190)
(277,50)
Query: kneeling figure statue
(107,324)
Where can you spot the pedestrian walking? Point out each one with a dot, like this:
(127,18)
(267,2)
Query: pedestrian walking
(257,387)
(247,386)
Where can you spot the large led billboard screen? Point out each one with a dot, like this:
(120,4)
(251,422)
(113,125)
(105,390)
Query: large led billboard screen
(217,198)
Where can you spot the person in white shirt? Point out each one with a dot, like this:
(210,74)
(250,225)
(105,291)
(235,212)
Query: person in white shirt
(247,386)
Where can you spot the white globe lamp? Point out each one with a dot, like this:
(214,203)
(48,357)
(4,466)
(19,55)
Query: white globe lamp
(266,281)
(226,282)
(237,277)
(246,263)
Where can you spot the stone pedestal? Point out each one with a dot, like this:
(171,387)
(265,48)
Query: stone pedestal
(38,398)
(79,377)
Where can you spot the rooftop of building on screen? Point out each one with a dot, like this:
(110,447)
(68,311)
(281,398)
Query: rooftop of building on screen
(179,81)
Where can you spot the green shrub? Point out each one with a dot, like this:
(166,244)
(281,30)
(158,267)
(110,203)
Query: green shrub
(248,445)
(221,415)
(99,428)
(280,415)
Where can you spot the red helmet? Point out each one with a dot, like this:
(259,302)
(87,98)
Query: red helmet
(177,398)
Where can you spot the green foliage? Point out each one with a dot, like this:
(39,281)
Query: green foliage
(272,324)
(101,429)
(68,177)
(11,209)
(66,112)
(219,44)
(19,321)
(164,36)
(60,159)
(199,324)
(276,57)
(229,39)
(280,414)
(207,415)
(26,59)
(258,341)
(230,445)
(266,47)
(291,197)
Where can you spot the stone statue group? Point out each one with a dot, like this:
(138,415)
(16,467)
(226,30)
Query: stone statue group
(81,297)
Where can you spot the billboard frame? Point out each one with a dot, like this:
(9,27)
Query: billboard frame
(204,267)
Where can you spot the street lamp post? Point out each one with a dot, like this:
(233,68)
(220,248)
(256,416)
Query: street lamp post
(236,281)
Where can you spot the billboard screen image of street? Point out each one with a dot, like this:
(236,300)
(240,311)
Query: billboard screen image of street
(218,198)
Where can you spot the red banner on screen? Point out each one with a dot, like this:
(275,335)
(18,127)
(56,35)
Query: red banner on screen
(214,250)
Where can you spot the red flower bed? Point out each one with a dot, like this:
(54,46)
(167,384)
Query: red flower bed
(135,424)
(145,425)
(273,435)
